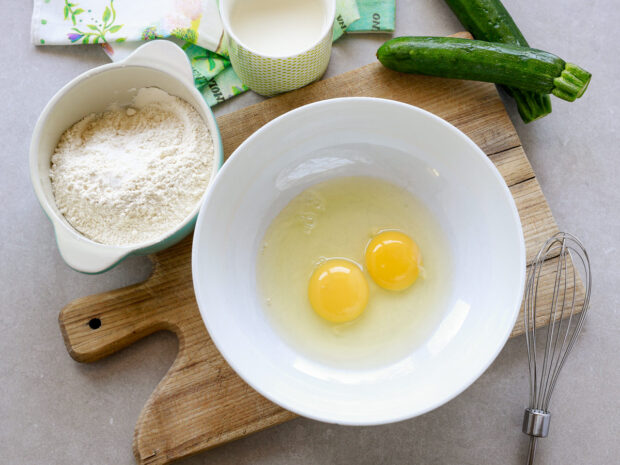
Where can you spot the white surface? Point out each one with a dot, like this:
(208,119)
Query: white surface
(57,411)
(260,25)
(239,27)
(408,147)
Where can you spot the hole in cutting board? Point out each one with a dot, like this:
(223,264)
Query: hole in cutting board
(94,323)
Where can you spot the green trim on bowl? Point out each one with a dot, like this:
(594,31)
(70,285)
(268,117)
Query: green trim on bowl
(169,241)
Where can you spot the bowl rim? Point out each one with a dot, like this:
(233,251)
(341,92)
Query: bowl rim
(57,222)
(218,339)
(326,30)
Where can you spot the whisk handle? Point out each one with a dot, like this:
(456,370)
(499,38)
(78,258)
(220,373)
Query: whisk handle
(536,425)
(536,422)
(532,450)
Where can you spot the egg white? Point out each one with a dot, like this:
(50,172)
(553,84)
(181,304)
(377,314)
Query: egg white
(337,219)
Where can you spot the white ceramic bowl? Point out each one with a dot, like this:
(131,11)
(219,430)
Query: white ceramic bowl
(155,64)
(406,146)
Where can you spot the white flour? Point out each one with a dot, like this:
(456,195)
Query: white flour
(129,175)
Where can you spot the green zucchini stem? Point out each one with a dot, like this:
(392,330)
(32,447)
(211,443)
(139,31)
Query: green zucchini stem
(572,83)
(531,105)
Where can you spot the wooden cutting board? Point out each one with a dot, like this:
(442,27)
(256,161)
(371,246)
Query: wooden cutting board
(201,402)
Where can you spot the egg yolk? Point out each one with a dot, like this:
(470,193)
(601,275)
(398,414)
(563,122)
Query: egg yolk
(338,291)
(393,260)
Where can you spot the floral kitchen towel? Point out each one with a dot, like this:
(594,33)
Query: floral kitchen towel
(121,26)
(109,22)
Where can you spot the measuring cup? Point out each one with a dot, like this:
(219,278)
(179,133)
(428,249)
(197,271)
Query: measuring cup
(159,64)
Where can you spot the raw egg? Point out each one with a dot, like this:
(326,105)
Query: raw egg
(338,291)
(393,260)
(311,261)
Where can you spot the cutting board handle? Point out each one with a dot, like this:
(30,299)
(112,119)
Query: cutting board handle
(96,326)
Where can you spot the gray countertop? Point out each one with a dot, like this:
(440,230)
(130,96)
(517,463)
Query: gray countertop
(56,411)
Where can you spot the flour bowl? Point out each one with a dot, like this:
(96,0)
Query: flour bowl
(158,64)
(408,147)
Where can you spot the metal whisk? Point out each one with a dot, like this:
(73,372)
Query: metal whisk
(567,311)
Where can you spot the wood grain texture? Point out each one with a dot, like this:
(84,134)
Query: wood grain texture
(201,402)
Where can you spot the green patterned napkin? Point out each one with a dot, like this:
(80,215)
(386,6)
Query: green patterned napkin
(121,26)
(375,16)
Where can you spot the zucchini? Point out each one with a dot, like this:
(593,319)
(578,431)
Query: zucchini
(510,65)
(489,20)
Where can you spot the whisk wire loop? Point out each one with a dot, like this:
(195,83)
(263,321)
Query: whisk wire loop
(566,313)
